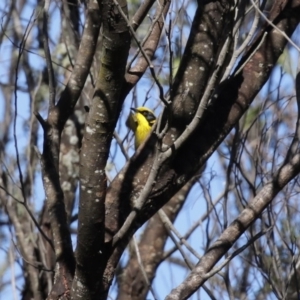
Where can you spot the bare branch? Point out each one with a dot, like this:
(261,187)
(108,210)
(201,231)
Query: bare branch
(52,83)
(230,235)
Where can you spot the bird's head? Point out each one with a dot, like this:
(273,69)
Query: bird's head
(139,116)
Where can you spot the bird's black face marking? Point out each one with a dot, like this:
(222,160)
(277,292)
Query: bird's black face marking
(149,116)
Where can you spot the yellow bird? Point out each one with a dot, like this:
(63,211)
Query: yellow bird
(140,122)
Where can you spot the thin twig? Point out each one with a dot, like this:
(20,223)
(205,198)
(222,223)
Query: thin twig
(151,67)
(22,44)
(166,221)
(238,51)
(121,145)
(140,201)
(196,225)
(274,26)
(178,246)
(141,266)
(52,83)
(142,43)
(198,117)
(30,263)
(235,253)
(12,271)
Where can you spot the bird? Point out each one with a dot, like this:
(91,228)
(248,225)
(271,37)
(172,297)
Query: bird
(141,122)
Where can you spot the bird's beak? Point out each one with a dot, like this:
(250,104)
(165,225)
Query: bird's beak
(134,109)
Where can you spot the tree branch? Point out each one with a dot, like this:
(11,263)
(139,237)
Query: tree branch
(230,235)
